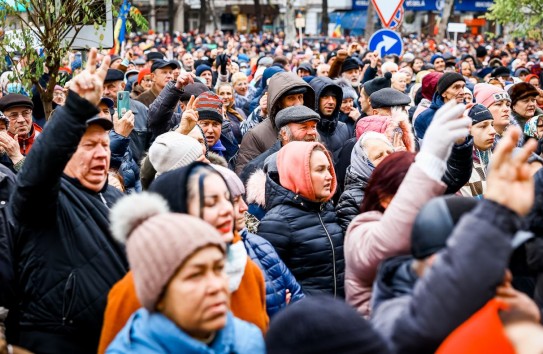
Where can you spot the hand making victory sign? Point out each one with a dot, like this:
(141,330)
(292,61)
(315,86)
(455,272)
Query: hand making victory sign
(89,83)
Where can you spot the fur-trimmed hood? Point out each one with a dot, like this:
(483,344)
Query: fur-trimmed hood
(386,126)
(255,190)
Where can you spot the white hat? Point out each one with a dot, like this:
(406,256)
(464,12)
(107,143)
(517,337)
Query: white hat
(173,150)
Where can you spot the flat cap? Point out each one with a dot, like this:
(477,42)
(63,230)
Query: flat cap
(295,114)
(154,56)
(114,75)
(159,64)
(15,100)
(389,97)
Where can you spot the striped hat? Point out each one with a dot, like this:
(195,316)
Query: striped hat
(209,107)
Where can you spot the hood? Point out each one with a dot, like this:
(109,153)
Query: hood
(320,85)
(429,84)
(279,85)
(360,163)
(276,195)
(386,125)
(394,278)
(268,73)
(293,166)
(255,191)
(437,102)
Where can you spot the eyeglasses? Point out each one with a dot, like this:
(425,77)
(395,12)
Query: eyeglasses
(25,114)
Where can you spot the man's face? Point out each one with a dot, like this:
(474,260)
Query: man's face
(353,76)
(111,89)
(293,100)
(323,70)
(306,131)
(327,104)
(364,100)
(208,77)
(212,131)
(455,91)
(162,76)
(90,162)
(20,120)
(303,73)
(188,61)
(104,111)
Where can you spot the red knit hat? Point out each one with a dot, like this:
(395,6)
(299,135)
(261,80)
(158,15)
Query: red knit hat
(209,107)
(142,73)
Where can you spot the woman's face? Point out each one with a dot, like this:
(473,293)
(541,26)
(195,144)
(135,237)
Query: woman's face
(240,207)
(346,105)
(377,150)
(417,65)
(525,107)
(535,82)
(203,287)
(218,210)
(226,94)
(241,87)
(399,82)
(147,82)
(321,176)
(483,134)
(466,69)
(501,112)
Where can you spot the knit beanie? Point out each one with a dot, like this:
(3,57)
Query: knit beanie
(235,185)
(435,57)
(202,68)
(479,113)
(447,80)
(487,94)
(172,150)
(321,324)
(520,91)
(142,73)
(195,89)
(158,242)
(349,64)
(209,107)
(293,166)
(429,84)
(378,83)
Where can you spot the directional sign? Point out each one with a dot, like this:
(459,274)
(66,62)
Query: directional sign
(386,42)
(387,9)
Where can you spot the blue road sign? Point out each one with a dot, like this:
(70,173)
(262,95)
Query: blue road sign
(386,42)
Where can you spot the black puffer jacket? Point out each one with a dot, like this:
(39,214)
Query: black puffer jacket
(67,259)
(350,201)
(332,132)
(307,237)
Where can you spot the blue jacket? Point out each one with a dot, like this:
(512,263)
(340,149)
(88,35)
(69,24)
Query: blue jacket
(122,160)
(278,277)
(154,333)
(425,118)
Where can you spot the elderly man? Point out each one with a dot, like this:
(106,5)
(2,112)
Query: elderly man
(18,109)
(161,74)
(67,259)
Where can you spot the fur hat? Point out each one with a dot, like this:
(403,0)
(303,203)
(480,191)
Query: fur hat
(520,91)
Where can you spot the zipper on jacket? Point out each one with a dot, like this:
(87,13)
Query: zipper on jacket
(103,200)
(69,295)
(333,253)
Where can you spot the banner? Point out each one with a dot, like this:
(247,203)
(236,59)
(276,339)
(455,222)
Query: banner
(433,5)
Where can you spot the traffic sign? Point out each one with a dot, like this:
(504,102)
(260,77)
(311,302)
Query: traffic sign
(386,42)
(397,20)
(387,9)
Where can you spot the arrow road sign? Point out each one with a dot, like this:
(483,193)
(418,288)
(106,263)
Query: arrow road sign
(386,42)
(386,9)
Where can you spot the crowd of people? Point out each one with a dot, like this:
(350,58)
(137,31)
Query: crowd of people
(237,194)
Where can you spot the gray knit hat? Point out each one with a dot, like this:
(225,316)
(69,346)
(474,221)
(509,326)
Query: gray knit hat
(173,150)
(295,114)
(348,91)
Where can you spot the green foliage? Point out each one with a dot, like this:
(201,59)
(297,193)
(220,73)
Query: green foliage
(525,16)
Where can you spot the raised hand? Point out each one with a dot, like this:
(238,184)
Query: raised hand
(11,146)
(509,181)
(125,125)
(89,83)
(189,119)
(184,79)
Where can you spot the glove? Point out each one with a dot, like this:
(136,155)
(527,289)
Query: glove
(222,60)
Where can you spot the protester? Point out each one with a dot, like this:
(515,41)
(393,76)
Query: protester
(523,102)
(235,115)
(161,74)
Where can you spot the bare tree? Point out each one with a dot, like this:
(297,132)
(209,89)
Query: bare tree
(447,11)
(370,23)
(290,30)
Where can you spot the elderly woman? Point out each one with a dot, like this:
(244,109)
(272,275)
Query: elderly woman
(301,222)
(243,92)
(173,257)
(523,102)
(396,191)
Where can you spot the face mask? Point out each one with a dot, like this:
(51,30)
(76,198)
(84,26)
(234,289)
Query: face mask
(236,260)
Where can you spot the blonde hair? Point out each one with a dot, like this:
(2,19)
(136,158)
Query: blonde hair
(238,77)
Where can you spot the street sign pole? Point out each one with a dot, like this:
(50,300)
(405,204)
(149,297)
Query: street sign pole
(300,23)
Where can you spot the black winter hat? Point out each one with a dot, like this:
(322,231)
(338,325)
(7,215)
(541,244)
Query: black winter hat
(481,52)
(15,100)
(447,80)
(349,64)
(307,67)
(501,71)
(435,223)
(479,113)
(378,83)
(319,325)
(331,55)
(114,75)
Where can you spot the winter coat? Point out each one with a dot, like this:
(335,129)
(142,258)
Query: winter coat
(476,186)
(258,162)
(243,102)
(163,114)
(264,135)
(252,120)
(387,125)
(7,242)
(425,118)
(374,236)
(147,333)
(140,138)
(67,259)
(121,160)
(461,280)
(148,96)
(423,105)
(332,132)
(344,118)
(278,277)
(306,236)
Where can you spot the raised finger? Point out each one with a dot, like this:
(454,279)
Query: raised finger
(522,156)
(102,71)
(191,102)
(91,60)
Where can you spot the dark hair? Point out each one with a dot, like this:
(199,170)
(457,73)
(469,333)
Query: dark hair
(386,179)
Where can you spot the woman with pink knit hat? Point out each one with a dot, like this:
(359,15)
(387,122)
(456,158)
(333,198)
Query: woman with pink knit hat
(178,264)
(498,102)
(301,223)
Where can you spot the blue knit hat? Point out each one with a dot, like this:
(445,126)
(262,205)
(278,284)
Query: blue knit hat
(202,68)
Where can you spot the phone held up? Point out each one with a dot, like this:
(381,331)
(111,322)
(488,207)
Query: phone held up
(123,103)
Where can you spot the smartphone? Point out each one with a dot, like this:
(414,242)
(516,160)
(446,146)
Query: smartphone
(123,103)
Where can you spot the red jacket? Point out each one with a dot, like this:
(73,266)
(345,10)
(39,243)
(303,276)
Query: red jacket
(25,143)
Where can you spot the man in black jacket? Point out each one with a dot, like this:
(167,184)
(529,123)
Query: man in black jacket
(67,259)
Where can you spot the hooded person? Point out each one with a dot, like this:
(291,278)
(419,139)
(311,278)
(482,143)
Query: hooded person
(285,90)
(348,110)
(165,250)
(299,213)
(281,286)
(370,149)
(184,190)
(332,132)
(322,325)
(450,87)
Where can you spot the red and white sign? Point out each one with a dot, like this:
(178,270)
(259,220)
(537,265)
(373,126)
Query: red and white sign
(387,9)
